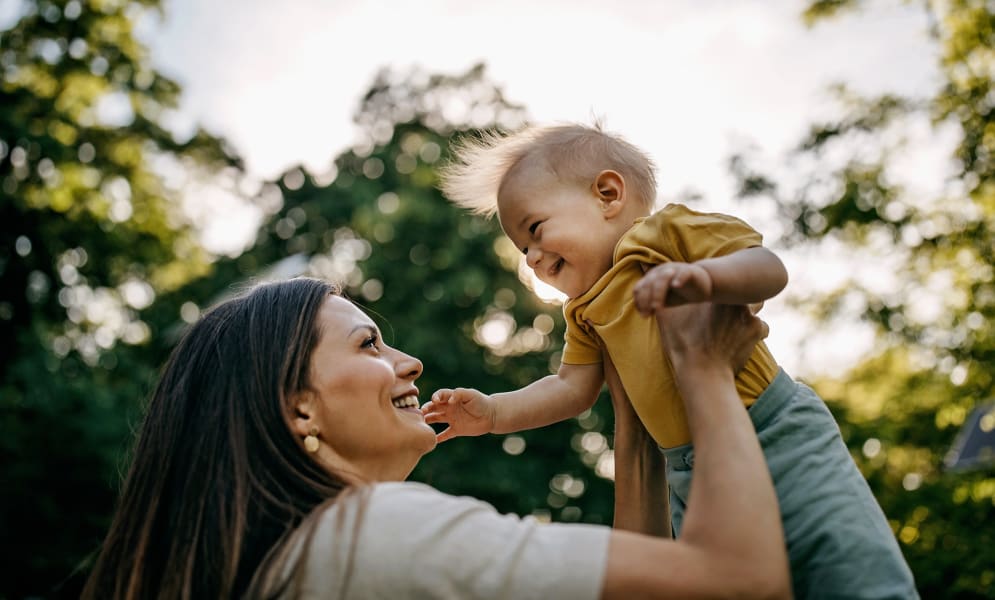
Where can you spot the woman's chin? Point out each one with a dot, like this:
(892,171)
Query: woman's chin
(430,442)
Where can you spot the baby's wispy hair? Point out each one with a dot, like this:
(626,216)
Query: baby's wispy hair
(479,164)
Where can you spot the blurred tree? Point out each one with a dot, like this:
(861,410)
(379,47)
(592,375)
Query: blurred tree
(930,293)
(90,236)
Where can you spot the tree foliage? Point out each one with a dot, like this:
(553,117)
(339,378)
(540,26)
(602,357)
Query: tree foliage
(931,297)
(90,237)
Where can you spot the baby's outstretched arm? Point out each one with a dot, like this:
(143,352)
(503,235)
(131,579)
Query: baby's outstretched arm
(748,276)
(467,411)
(571,391)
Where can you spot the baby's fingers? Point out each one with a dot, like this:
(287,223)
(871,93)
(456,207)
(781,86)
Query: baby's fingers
(651,292)
(658,297)
(445,435)
(642,295)
(442,396)
(438,403)
(434,416)
(680,278)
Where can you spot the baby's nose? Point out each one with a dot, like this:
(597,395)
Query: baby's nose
(532,257)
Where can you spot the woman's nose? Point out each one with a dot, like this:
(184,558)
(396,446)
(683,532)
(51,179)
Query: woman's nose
(407,366)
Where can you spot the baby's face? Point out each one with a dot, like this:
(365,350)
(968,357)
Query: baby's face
(561,229)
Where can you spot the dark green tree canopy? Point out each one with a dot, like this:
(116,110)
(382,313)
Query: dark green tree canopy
(90,237)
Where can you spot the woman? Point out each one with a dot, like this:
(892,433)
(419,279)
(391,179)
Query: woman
(272,458)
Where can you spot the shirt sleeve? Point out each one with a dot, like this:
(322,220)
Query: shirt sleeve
(579,348)
(416,542)
(689,235)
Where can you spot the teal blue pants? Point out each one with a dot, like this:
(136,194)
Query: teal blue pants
(838,540)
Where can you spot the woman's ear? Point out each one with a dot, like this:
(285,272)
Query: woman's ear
(609,187)
(304,417)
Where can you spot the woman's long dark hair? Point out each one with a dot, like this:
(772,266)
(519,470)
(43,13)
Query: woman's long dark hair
(218,478)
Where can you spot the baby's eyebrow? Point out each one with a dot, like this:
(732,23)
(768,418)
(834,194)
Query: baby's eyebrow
(524,219)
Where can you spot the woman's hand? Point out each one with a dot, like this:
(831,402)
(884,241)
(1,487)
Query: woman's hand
(732,540)
(710,334)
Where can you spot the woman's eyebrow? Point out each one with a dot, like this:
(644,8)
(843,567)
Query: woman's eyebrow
(366,327)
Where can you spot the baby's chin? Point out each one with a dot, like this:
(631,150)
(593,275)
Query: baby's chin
(575,291)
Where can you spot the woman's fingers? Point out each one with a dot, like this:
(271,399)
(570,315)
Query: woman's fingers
(722,331)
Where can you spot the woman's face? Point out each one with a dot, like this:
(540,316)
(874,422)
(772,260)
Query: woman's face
(365,404)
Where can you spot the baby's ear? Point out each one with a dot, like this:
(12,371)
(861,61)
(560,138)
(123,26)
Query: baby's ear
(609,187)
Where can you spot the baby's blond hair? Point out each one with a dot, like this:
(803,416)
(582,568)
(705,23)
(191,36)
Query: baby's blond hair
(575,153)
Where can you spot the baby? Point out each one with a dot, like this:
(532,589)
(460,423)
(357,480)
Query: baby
(578,202)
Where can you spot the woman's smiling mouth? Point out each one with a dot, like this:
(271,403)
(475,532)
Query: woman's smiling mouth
(407,401)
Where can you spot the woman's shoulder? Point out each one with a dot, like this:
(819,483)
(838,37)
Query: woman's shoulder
(386,500)
(388,492)
(402,537)
(410,497)
(380,511)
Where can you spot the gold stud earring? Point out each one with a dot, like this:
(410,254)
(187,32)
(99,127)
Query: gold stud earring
(311,441)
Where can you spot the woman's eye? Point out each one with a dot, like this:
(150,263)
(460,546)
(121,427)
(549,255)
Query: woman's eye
(370,342)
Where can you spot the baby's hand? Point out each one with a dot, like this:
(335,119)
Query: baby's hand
(467,411)
(672,284)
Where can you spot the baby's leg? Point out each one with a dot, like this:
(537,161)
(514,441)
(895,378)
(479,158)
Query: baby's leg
(680,465)
(839,542)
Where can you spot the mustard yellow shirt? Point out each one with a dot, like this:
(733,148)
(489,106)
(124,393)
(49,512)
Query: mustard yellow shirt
(607,312)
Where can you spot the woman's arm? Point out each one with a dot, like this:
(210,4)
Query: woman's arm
(642,502)
(731,543)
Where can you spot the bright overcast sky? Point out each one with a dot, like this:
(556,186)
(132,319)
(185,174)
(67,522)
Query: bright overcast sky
(680,78)
(684,79)
(687,80)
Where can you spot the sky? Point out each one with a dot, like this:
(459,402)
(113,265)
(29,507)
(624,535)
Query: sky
(689,81)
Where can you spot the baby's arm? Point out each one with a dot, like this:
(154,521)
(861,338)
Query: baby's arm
(571,391)
(748,276)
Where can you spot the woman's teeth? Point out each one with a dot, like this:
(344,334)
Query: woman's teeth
(406,402)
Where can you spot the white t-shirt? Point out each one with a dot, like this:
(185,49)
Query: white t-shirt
(413,541)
